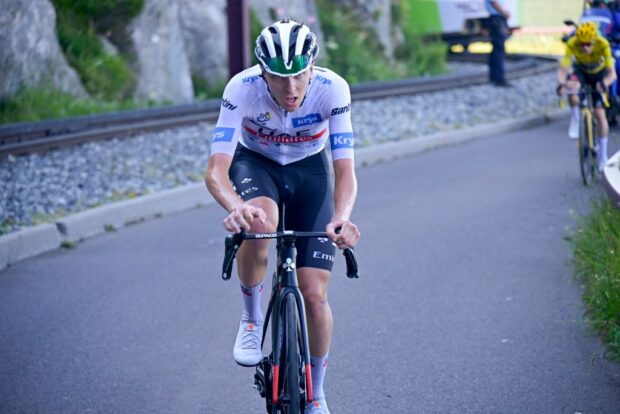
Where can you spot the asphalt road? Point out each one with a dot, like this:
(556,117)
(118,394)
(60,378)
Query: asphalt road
(467,302)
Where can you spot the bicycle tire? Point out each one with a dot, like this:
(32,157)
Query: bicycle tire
(587,155)
(291,383)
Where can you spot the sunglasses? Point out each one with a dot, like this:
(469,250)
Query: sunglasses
(586,44)
(299,63)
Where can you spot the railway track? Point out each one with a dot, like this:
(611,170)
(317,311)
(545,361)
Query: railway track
(26,138)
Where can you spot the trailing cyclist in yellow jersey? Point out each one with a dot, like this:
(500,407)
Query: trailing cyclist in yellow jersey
(598,59)
(592,63)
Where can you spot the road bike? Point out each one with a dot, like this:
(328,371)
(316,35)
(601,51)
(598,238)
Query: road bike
(588,135)
(284,377)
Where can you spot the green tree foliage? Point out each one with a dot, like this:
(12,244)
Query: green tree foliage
(424,53)
(355,52)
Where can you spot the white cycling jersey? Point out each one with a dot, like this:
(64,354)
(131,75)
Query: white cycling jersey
(251,116)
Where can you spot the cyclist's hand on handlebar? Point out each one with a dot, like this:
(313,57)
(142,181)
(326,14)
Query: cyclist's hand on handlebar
(348,235)
(241,217)
(559,90)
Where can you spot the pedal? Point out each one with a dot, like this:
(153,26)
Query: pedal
(259,380)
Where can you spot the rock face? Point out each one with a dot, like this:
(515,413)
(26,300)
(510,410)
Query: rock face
(205,33)
(163,66)
(29,50)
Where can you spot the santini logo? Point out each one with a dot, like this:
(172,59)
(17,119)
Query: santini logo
(341,110)
(228,105)
(307,120)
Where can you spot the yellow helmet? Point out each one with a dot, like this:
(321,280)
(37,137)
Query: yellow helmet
(586,32)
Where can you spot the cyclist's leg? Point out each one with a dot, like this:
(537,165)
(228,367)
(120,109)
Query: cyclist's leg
(572,90)
(603,125)
(250,176)
(310,208)
(603,131)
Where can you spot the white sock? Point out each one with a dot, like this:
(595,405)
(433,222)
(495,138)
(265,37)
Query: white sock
(575,113)
(319,366)
(602,150)
(251,302)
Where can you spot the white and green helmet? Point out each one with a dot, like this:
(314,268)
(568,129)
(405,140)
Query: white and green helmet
(286,48)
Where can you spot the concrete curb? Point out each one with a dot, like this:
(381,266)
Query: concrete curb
(611,179)
(42,238)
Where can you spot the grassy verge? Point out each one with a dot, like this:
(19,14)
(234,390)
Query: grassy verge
(596,255)
(36,104)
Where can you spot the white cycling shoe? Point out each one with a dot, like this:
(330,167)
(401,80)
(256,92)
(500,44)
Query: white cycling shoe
(317,407)
(573,129)
(247,351)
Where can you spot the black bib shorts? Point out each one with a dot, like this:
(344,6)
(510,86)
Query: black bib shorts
(305,189)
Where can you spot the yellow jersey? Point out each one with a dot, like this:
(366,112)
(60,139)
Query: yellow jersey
(592,63)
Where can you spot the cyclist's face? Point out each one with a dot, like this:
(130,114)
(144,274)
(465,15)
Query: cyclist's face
(586,47)
(290,91)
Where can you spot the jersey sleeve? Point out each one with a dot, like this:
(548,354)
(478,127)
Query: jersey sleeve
(341,138)
(609,60)
(568,54)
(228,127)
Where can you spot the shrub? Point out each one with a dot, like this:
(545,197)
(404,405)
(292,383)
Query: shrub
(107,77)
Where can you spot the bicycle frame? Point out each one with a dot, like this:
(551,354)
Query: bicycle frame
(588,131)
(285,284)
(587,111)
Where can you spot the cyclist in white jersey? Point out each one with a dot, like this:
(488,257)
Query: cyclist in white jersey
(268,147)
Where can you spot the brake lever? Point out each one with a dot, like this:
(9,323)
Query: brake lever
(231,246)
(351,260)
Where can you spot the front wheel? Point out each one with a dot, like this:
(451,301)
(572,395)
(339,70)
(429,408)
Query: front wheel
(587,153)
(292,382)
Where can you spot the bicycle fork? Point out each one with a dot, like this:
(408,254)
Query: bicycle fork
(280,303)
(267,376)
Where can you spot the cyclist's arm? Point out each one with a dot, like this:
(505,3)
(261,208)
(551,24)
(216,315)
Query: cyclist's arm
(223,145)
(240,214)
(564,65)
(345,188)
(345,192)
(610,77)
(218,183)
(562,75)
(342,146)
